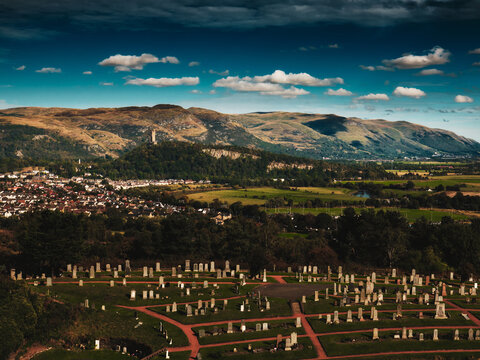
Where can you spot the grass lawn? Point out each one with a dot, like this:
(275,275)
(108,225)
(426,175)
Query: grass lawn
(258,196)
(362,343)
(103,294)
(410,214)
(279,307)
(61,354)
(117,325)
(328,306)
(284,327)
(409,319)
(305,351)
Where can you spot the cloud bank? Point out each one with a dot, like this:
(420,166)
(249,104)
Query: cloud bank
(164,82)
(409,92)
(134,62)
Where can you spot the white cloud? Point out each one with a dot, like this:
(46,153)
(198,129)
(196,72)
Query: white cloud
(247,84)
(280,77)
(369,67)
(87,72)
(378,67)
(272,84)
(307,48)
(5,105)
(339,92)
(21,68)
(333,46)
(477,63)
(169,59)
(475,51)
(129,62)
(193,63)
(436,56)
(289,93)
(374,97)
(195,91)
(221,73)
(164,82)
(428,72)
(49,70)
(409,92)
(463,99)
(212,92)
(106,83)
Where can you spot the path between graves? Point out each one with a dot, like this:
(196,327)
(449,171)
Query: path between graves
(278,278)
(193,346)
(309,331)
(465,311)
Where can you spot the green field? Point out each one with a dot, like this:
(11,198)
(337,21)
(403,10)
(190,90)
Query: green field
(410,214)
(258,196)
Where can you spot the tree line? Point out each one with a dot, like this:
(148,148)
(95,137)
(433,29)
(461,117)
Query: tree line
(47,241)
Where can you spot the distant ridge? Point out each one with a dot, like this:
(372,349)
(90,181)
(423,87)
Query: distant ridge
(36,132)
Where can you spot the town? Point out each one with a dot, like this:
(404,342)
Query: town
(33,190)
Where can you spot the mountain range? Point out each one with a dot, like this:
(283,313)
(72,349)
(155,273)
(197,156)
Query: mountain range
(34,132)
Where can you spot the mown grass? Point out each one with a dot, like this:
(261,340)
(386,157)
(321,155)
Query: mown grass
(103,294)
(410,214)
(61,354)
(279,307)
(306,351)
(362,343)
(284,327)
(258,196)
(409,319)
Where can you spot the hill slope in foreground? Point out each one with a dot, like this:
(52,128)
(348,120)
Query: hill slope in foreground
(60,132)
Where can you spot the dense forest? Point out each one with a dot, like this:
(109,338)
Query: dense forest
(47,241)
(177,160)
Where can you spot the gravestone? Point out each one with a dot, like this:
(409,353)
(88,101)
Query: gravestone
(157,267)
(375,334)
(298,322)
(49,281)
(440,311)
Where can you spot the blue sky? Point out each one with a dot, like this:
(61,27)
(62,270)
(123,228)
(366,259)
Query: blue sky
(397,60)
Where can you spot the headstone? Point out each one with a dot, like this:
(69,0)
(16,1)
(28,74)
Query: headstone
(298,322)
(336,320)
(49,281)
(375,334)
(157,266)
(440,311)
(98,267)
(456,335)
(349,316)
(92,272)
(230,328)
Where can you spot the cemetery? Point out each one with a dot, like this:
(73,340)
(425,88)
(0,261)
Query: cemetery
(218,310)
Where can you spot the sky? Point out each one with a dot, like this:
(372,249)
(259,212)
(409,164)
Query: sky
(414,60)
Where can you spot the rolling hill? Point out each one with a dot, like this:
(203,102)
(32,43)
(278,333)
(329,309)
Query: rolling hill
(32,132)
